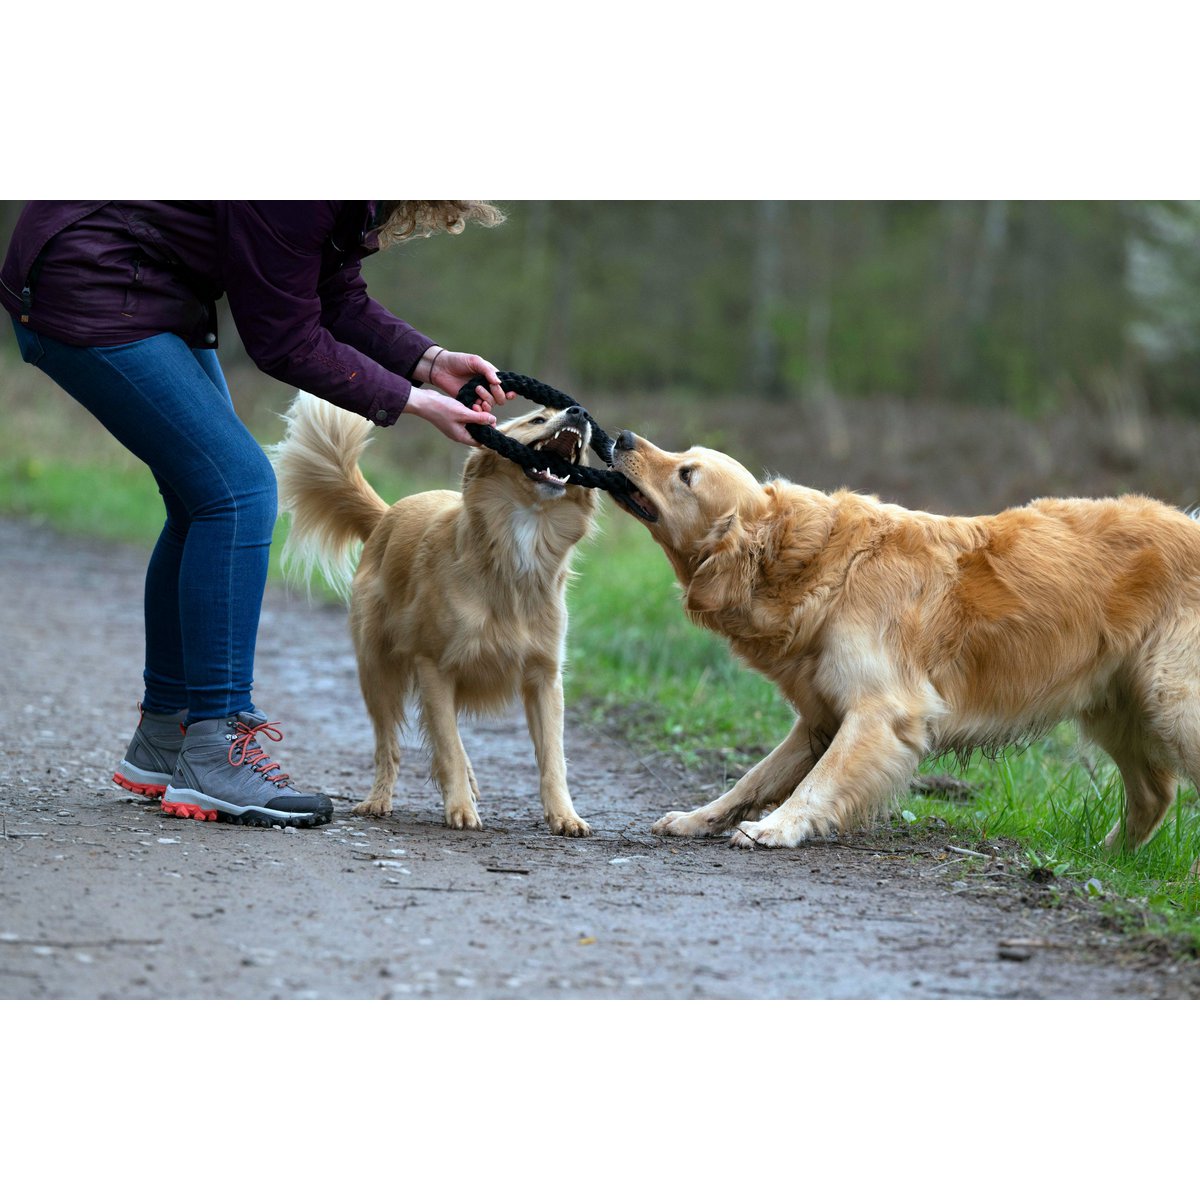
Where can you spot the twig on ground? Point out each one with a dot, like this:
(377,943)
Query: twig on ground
(622,836)
(1032,944)
(6,940)
(895,851)
(940,867)
(408,887)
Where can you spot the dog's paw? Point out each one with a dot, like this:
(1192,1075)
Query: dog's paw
(372,808)
(568,825)
(770,834)
(683,824)
(463,818)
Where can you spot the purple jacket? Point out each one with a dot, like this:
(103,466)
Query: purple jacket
(108,272)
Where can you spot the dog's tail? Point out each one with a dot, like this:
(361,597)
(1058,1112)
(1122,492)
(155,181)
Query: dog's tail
(333,508)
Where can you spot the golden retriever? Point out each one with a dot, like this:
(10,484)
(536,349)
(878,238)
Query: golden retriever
(458,597)
(897,634)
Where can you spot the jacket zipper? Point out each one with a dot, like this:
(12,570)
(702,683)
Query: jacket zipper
(25,297)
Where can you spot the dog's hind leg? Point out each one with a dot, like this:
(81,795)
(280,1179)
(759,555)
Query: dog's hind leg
(1149,787)
(1149,794)
(543,696)
(872,756)
(450,767)
(767,784)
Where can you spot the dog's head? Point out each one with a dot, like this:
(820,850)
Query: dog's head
(564,432)
(701,506)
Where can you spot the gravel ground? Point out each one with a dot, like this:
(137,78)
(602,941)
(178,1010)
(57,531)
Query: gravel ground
(105,898)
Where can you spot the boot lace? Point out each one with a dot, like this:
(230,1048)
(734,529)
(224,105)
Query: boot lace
(245,749)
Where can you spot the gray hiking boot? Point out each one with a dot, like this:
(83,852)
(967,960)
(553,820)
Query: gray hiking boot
(149,761)
(222,773)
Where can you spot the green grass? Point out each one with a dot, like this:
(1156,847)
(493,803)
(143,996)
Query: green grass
(1058,799)
(631,647)
(634,658)
(120,503)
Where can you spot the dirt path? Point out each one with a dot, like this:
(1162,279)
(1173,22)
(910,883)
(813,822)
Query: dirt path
(103,898)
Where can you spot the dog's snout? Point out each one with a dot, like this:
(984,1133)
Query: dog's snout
(624,440)
(573,411)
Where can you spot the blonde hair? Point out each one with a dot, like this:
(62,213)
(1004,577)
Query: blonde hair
(400,220)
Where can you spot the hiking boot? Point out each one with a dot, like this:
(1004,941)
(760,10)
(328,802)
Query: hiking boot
(149,762)
(222,773)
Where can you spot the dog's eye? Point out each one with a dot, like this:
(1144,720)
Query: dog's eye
(538,421)
(685,473)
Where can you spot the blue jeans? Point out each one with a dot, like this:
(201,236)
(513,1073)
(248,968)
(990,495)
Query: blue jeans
(169,405)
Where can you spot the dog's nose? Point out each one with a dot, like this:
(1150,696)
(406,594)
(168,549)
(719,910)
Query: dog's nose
(624,440)
(573,411)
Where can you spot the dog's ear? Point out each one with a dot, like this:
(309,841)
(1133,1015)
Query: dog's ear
(724,576)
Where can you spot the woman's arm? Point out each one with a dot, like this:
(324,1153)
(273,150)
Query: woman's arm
(271,252)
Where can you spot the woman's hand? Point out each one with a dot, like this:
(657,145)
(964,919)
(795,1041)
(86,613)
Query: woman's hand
(450,370)
(446,414)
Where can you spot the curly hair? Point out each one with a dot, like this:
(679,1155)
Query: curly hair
(399,220)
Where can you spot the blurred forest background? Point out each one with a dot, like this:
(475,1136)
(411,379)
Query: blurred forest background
(957,355)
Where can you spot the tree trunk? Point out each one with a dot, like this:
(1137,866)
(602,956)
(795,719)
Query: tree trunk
(766,377)
(819,399)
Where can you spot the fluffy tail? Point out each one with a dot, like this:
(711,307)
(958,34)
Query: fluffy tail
(333,508)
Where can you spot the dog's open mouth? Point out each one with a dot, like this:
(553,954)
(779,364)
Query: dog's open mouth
(567,443)
(637,503)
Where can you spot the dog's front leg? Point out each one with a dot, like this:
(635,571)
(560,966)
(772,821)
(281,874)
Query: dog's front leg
(872,756)
(543,696)
(774,778)
(449,766)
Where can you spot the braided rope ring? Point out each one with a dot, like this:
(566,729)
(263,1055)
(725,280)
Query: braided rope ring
(609,481)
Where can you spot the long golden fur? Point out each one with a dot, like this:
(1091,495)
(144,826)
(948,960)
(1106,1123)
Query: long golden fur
(458,597)
(894,634)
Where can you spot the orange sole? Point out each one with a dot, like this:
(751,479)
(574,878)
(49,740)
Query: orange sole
(140,789)
(188,811)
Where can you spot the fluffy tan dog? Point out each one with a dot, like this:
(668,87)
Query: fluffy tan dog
(896,634)
(458,598)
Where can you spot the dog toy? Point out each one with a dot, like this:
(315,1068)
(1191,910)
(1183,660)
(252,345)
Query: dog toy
(609,481)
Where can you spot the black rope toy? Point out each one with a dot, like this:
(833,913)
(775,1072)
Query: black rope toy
(613,482)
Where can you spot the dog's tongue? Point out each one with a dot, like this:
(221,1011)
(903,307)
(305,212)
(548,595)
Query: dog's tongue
(647,511)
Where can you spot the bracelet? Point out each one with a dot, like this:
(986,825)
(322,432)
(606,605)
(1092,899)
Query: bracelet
(441,351)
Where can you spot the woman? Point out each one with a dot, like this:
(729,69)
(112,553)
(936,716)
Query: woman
(116,301)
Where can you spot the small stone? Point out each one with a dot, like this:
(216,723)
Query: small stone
(1014,953)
